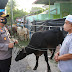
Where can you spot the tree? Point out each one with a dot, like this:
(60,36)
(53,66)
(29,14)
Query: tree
(8,9)
(16,12)
(36,10)
(19,13)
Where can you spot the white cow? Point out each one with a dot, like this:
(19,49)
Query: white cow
(26,33)
(23,33)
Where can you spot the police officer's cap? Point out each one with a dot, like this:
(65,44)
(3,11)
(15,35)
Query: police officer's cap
(2,14)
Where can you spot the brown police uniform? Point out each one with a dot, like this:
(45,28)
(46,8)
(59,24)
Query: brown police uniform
(5,52)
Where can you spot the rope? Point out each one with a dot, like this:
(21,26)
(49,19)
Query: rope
(19,46)
(35,48)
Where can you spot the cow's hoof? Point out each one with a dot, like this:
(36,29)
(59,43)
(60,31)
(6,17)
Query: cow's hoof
(50,58)
(49,71)
(35,68)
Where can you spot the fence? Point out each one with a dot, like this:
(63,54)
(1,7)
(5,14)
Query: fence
(39,26)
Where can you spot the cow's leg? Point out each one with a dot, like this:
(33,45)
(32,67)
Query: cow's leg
(52,53)
(37,57)
(46,59)
(25,37)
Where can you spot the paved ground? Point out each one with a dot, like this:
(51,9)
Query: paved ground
(20,66)
(27,64)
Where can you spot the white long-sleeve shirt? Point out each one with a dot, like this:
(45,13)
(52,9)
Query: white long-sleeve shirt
(66,48)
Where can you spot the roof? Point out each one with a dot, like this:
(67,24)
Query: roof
(3,3)
(47,1)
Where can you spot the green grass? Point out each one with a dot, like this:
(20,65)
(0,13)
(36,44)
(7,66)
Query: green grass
(22,43)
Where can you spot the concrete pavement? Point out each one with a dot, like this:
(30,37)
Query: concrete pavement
(27,64)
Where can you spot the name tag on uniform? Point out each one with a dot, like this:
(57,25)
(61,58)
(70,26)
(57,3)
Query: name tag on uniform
(5,38)
(0,27)
(1,30)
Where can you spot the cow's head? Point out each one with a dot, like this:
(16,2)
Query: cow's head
(20,55)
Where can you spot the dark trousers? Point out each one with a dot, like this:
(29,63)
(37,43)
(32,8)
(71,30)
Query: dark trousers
(5,65)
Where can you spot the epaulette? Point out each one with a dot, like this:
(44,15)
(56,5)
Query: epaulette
(2,31)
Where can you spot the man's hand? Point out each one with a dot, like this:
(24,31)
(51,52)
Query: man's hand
(16,41)
(56,57)
(11,45)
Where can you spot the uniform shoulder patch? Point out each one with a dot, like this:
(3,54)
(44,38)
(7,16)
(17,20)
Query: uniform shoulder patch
(4,38)
(1,30)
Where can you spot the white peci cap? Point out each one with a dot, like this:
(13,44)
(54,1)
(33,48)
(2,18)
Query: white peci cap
(69,18)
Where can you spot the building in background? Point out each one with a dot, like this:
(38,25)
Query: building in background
(59,9)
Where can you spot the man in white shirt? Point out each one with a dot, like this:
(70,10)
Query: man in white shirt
(64,56)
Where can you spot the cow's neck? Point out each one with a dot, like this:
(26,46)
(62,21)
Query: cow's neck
(28,50)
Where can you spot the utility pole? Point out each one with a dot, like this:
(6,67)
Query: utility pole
(49,9)
(11,15)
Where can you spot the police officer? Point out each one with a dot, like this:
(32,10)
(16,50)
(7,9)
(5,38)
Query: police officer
(5,45)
